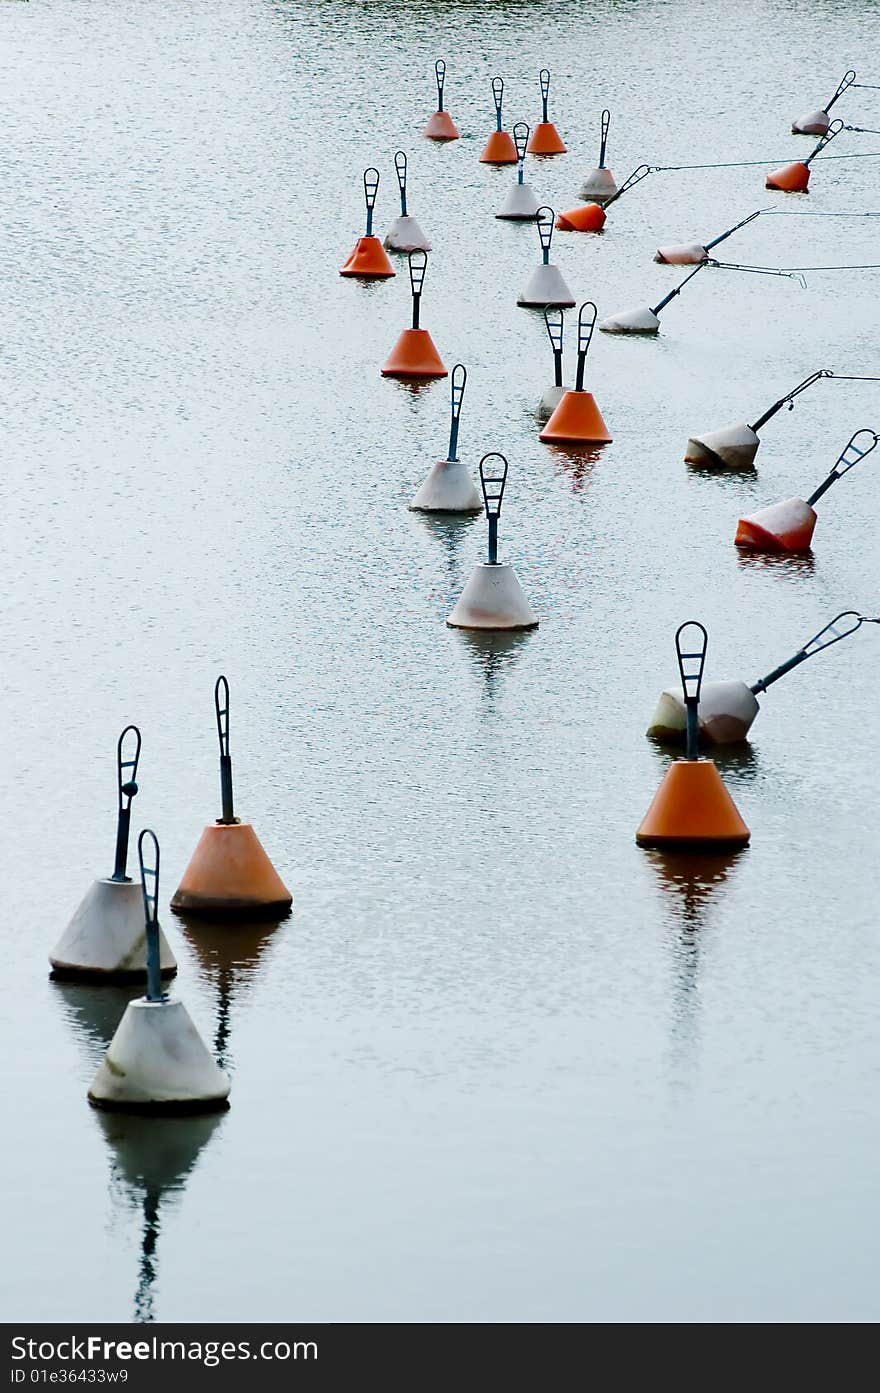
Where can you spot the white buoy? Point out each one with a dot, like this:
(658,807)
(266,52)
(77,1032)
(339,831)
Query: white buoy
(554,321)
(449,487)
(730,447)
(681,254)
(725,713)
(550,399)
(641,320)
(157,1061)
(546,285)
(600,184)
(404,234)
(818,122)
(493,598)
(521,203)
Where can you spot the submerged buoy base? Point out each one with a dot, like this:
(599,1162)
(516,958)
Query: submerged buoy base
(549,402)
(692,811)
(590,218)
(157,1062)
(731,447)
(493,599)
(577,420)
(726,713)
(405,235)
(106,939)
(792,178)
(414,355)
(545,140)
(546,286)
(448,488)
(785,526)
(441,127)
(368,261)
(230,876)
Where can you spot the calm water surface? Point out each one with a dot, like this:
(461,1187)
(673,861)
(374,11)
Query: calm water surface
(499,1064)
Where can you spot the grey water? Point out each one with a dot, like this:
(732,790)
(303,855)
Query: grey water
(499,1063)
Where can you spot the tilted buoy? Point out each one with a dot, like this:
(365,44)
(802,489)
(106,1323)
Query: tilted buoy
(404,234)
(521,203)
(157,1061)
(817,122)
(554,320)
(788,525)
(545,138)
(414,354)
(104,940)
(499,148)
(368,260)
(692,809)
(493,597)
(692,253)
(592,216)
(229,874)
(449,487)
(546,285)
(644,319)
(577,419)
(600,184)
(727,709)
(441,125)
(794,178)
(735,447)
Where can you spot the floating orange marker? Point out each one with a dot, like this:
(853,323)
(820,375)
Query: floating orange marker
(577,419)
(788,525)
(817,122)
(692,809)
(368,260)
(441,125)
(794,178)
(229,873)
(591,217)
(414,354)
(545,138)
(499,148)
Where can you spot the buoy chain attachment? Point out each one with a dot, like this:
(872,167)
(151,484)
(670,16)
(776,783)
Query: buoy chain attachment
(790,273)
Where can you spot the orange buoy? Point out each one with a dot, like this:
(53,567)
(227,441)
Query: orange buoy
(500,147)
(692,809)
(545,138)
(441,125)
(577,419)
(414,354)
(368,260)
(590,218)
(794,178)
(229,873)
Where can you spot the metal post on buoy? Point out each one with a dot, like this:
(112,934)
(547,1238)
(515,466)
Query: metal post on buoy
(221,708)
(606,122)
(493,492)
(150,891)
(498,95)
(126,788)
(691,662)
(841,626)
(544,79)
(848,457)
(846,81)
(639,173)
(418,265)
(586,325)
(440,75)
(371,188)
(400,166)
(459,381)
(544,218)
(520,140)
(730,231)
(554,319)
(667,299)
(834,129)
(788,399)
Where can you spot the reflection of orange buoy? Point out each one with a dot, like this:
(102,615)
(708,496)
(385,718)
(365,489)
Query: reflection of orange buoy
(368,259)
(441,125)
(499,148)
(577,419)
(545,138)
(794,178)
(590,218)
(414,354)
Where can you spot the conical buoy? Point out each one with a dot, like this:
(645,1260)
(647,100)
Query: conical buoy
(817,122)
(493,598)
(794,178)
(449,487)
(229,874)
(414,354)
(441,125)
(404,234)
(577,419)
(545,138)
(735,447)
(554,321)
(521,203)
(590,218)
(546,285)
(692,253)
(643,319)
(368,260)
(788,525)
(600,185)
(157,1061)
(105,939)
(692,809)
(499,148)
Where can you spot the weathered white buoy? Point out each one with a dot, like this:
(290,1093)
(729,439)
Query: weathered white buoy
(817,122)
(404,234)
(735,447)
(600,185)
(157,1061)
(644,319)
(554,319)
(493,598)
(449,487)
(692,253)
(521,203)
(104,940)
(546,285)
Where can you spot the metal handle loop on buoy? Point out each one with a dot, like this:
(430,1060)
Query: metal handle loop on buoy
(606,122)
(846,81)
(758,270)
(639,173)
(440,74)
(841,626)
(849,456)
(520,140)
(493,491)
(661,304)
(544,79)
(151,920)
(730,231)
(458,378)
(790,396)
(498,95)
(371,188)
(834,129)
(586,325)
(221,709)
(545,218)
(126,788)
(691,661)
(400,166)
(554,318)
(418,265)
